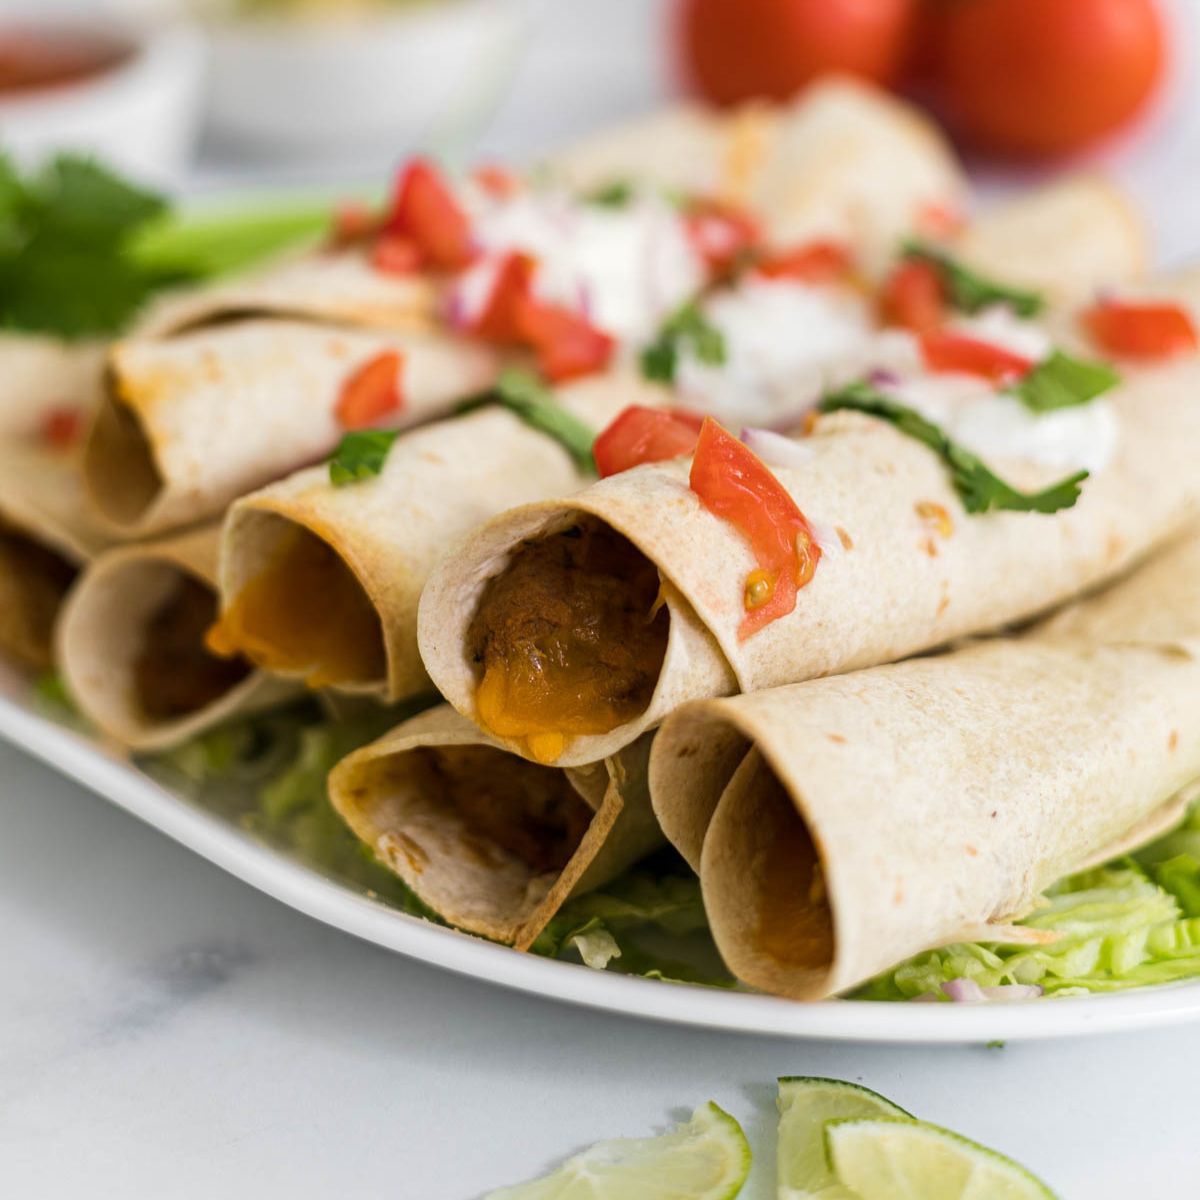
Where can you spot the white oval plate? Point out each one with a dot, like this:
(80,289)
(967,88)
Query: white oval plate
(304,889)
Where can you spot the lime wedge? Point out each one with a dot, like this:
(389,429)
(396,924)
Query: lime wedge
(706,1159)
(805,1104)
(885,1158)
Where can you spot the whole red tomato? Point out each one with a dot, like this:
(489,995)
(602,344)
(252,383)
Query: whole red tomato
(1038,77)
(736,50)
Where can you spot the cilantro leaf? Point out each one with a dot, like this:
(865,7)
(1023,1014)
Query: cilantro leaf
(980,489)
(687,324)
(360,455)
(64,233)
(969,291)
(1062,382)
(616,194)
(528,398)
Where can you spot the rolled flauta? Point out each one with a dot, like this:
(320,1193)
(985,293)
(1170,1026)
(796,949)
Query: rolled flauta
(42,377)
(843,160)
(904,569)
(45,537)
(493,844)
(842,825)
(194,421)
(321,583)
(130,645)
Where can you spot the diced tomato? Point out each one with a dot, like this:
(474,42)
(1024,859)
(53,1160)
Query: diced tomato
(61,427)
(938,220)
(501,318)
(813,262)
(645,435)
(568,345)
(720,233)
(913,297)
(497,181)
(426,211)
(353,222)
(1141,330)
(395,254)
(736,486)
(952,352)
(372,392)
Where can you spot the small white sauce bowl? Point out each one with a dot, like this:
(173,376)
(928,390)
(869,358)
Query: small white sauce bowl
(139,116)
(364,80)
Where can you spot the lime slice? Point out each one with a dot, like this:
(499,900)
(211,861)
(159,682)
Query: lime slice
(885,1158)
(805,1104)
(708,1159)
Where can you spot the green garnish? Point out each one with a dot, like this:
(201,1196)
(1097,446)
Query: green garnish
(968,291)
(1062,382)
(64,237)
(360,455)
(616,194)
(979,488)
(523,394)
(688,324)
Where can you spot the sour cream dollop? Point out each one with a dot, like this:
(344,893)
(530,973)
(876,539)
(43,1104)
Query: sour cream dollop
(781,337)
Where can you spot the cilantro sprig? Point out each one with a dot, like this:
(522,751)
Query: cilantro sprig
(360,455)
(1063,382)
(687,325)
(969,291)
(979,488)
(65,233)
(618,193)
(524,395)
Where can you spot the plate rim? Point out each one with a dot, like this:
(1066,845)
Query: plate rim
(287,880)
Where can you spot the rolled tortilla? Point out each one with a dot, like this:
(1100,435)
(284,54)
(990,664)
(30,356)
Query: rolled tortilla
(895,578)
(322,583)
(842,160)
(130,644)
(41,376)
(842,825)
(193,421)
(492,843)
(45,537)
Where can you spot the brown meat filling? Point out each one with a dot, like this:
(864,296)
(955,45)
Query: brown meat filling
(174,674)
(33,582)
(569,639)
(529,811)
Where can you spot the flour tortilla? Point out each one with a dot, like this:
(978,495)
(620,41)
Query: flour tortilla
(194,421)
(46,535)
(842,160)
(476,885)
(437,484)
(897,588)
(41,375)
(940,796)
(103,629)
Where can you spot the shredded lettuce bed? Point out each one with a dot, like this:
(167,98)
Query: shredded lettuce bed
(1130,923)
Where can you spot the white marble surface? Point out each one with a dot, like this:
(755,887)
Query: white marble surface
(166,1031)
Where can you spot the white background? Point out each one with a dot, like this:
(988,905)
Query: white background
(165,1031)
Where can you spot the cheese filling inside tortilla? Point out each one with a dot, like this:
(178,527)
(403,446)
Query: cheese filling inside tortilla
(33,582)
(305,613)
(568,639)
(173,673)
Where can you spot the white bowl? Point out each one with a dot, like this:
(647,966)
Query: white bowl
(348,82)
(140,116)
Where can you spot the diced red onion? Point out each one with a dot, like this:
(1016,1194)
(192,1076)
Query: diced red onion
(967,991)
(881,377)
(776,450)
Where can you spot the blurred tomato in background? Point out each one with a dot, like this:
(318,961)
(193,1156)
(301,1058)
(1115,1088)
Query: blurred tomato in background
(1028,78)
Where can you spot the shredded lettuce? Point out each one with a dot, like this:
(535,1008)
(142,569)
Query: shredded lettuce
(1128,924)
(649,922)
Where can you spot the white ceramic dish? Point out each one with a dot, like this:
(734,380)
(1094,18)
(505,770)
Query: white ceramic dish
(290,881)
(417,74)
(140,117)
